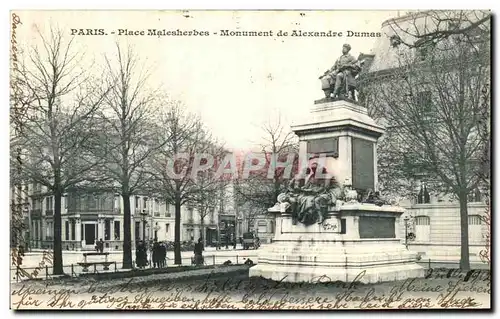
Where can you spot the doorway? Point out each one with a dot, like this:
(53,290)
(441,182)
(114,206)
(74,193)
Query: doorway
(89,234)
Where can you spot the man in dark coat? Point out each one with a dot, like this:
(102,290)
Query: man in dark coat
(156,255)
(163,255)
(198,252)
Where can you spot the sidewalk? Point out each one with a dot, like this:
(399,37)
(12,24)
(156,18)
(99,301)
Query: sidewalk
(37,251)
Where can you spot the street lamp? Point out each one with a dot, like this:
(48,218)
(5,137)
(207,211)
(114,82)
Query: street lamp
(144,215)
(406,219)
(27,209)
(156,229)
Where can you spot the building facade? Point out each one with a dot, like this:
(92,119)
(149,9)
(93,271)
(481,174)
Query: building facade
(217,224)
(90,216)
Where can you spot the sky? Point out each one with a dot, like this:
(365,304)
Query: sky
(233,83)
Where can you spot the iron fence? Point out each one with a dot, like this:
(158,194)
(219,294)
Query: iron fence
(74,270)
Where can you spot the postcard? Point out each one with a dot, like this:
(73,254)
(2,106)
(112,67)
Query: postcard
(250,160)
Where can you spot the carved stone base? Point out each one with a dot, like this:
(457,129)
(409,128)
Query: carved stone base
(302,253)
(367,261)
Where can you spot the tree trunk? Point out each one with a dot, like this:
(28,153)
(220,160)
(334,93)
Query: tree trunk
(58,259)
(464,231)
(202,230)
(127,233)
(177,232)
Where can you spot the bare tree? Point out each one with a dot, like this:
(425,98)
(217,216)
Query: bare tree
(436,108)
(173,163)
(60,132)
(262,188)
(130,111)
(208,192)
(433,26)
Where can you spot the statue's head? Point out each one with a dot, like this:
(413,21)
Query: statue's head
(346,48)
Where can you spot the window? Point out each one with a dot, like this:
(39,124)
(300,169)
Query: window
(137,202)
(167,226)
(145,202)
(73,229)
(190,215)
(474,196)
(422,228)
(49,204)
(106,202)
(66,230)
(37,204)
(475,229)
(50,229)
(117,230)
(262,226)
(423,196)
(107,229)
(424,48)
(137,230)
(423,100)
(474,220)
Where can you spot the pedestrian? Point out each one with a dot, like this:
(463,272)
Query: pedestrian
(141,255)
(156,255)
(138,255)
(100,246)
(163,255)
(227,241)
(198,252)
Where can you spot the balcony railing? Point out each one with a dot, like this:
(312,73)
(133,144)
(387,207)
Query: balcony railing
(49,212)
(168,215)
(90,210)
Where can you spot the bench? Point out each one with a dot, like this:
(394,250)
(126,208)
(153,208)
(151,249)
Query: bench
(85,264)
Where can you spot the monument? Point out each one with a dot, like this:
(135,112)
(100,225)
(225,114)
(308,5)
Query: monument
(331,222)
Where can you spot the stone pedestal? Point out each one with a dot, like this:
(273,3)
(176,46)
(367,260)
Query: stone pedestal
(346,136)
(302,253)
(356,242)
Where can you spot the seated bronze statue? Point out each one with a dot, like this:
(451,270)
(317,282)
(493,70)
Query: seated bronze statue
(339,82)
(309,197)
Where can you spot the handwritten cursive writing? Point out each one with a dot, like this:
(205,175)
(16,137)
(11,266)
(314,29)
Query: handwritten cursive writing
(485,254)
(452,291)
